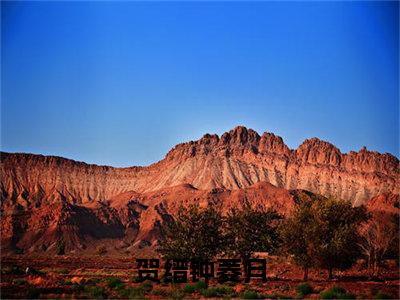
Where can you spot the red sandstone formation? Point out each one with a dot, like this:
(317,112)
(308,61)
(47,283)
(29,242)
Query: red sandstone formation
(44,198)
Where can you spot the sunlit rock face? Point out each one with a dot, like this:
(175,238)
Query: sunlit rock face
(44,198)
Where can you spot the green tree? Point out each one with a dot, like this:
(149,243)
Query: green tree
(196,233)
(249,230)
(297,238)
(336,233)
(323,233)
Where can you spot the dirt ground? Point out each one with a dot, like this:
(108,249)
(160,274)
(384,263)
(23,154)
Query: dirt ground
(114,277)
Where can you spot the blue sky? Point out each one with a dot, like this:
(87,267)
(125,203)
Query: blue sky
(120,83)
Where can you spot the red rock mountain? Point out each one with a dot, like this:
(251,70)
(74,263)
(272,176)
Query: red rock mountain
(44,198)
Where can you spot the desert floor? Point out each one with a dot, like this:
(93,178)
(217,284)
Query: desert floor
(114,277)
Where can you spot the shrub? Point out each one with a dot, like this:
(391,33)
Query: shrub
(115,283)
(251,295)
(189,289)
(304,289)
(63,271)
(209,292)
(19,281)
(337,293)
(200,285)
(225,290)
(96,292)
(67,281)
(15,270)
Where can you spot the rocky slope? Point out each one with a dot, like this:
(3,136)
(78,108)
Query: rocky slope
(44,198)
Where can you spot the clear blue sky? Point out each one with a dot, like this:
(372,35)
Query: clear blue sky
(122,83)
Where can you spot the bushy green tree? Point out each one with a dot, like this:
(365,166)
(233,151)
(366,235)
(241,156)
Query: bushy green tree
(337,233)
(297,235)
(196,233)
(323,233)
(249,230)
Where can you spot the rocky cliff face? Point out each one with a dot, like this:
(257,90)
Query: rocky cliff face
(45,197)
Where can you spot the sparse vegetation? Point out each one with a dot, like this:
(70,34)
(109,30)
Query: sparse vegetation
(19,281)
(15,270)
(249,294)
(336,293)
(95,292)
(189,288)
(201,285)
(115,283)
(304,289)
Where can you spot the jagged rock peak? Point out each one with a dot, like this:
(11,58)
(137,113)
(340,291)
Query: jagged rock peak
(315,150)
(236,141)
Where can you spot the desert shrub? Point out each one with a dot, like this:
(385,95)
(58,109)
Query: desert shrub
(115,283)
(68,281)
(19,281)
(224,290)
(337,293)
(217,291)
(304,289)
(251,295)
(37,272)
(33,293)
(14,270)
(147,286)
(200,285)
(95,292)
(63,271)
(380,295)
(209,292)
(101,250)
(189,288)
